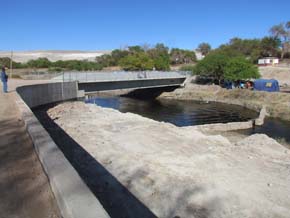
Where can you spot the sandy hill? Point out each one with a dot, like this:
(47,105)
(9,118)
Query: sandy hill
(53,55)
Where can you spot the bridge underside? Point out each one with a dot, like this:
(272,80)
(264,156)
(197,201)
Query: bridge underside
(149,93)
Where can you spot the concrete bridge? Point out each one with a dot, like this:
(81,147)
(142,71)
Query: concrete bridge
(140,84)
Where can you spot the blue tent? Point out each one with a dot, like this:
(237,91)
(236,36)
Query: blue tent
(269,85)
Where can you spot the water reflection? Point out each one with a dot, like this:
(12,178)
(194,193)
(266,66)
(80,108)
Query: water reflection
(189,113)
(274,128)
(180,113)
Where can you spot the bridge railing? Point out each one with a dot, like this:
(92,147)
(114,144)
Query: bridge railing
(88,76)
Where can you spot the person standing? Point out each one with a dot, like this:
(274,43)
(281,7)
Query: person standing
(4,79)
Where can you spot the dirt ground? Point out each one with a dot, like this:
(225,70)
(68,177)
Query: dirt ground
(24,187)
(282,74)
(177,171)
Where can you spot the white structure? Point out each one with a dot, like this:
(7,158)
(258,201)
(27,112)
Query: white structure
(269,61)
(199,55)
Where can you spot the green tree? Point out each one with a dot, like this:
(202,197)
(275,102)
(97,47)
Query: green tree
(242,47)
(204,48)
(5,61)
(135,49)
(212,66)
(159,54)
(137,62)
(117,55)
(239,68)
(105,60)
(39,63)
(270,46)
(218,66)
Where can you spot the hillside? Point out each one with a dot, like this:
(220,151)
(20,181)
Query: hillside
(53,55)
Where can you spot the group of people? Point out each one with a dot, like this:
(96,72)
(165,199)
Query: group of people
(4,79)
(239,84)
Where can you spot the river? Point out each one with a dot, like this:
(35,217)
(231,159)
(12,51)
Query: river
(189,113)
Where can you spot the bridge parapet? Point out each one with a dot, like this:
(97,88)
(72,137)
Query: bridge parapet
(88,76)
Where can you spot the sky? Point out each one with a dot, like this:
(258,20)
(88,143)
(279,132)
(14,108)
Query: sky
(111,24)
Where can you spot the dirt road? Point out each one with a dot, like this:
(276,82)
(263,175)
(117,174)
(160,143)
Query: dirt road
(24,187)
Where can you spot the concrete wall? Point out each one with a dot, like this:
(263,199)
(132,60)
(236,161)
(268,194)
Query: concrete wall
(73,197)
(41,94)
(130,84)
(224,127)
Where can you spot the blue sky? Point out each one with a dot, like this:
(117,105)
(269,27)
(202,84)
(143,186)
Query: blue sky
(110,24)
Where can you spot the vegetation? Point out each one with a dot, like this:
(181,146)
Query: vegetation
(219,66)
(53,66)
(6,62)
(212,66)
(204,48)
(253,49)
(137,61)
(281,32)
(159,55)
(189,67)
(238,68)
(181,56)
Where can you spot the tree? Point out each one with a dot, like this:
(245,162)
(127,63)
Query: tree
(137,62)
(239,68)
(105,60)
(39,63)
(218,66)
(181,56)
(135,49)
(159,54)
(282,32)
(270,46)
(238,47)
(212,66)
(204,48)
(117,55)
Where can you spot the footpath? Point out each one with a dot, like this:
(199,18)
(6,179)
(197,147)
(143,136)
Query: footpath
(24,187)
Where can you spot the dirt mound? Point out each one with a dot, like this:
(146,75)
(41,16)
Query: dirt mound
(180,171)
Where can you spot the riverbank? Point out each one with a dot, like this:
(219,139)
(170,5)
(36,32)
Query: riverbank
(178,171)
(277,104)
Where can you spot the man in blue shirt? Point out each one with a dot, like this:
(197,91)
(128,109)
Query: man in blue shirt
(4,79)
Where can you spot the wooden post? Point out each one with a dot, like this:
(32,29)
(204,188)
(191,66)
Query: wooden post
(11,65)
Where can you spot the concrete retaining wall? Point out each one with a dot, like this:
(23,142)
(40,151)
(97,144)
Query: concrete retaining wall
(41,94)
(74,198)
(223,127)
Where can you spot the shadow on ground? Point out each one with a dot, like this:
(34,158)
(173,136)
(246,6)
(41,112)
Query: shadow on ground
(117,200)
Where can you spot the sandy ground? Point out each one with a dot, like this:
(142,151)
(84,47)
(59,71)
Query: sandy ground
(24,56)
(282,74)
(180,172)
(24,187)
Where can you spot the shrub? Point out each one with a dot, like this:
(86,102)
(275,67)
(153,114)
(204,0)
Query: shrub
(136,62)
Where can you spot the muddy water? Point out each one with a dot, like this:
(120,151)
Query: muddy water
(189,113)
